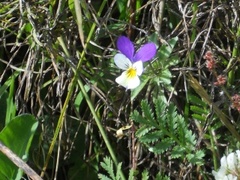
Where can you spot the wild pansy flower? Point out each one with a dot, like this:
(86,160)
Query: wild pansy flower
(131,62)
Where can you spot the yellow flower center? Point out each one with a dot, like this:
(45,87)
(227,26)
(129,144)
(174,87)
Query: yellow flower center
(131,72)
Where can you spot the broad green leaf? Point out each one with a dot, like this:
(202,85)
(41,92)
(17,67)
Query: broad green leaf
(17,136)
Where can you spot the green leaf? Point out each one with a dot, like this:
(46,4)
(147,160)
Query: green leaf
(121,4)
(162,146)
(145,175)
(148,114)
(199,117)
(151,137)
(17,136)
(177,152)
(196,158)
(72,8)
(198,109)
(103,177)
(3,109)
(11,107)
(161,177)
(131,175)
(196,100)
(165,76)
(118,175)
(166,50)
(80,97)
(163,129)
(8,107)
(137,90)
(8,83)
(138,118)
(108,166)
(143,130)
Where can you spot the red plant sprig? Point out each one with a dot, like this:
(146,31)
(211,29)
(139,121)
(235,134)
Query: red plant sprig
(210,61)
(236,102)
(221,80)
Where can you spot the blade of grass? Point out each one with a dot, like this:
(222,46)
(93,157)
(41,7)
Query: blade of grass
(72,86)
(79,20)
(203,94)
(235,52)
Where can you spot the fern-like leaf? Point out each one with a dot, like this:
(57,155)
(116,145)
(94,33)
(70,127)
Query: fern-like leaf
(145,175)
(107,165)
(151,137)
(145,129)
(118,175)
(131,175)
(162,130)
(162,146)
(148,114)
(103,177)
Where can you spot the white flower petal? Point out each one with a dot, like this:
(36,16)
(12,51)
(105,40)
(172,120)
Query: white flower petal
(220,173)
(224,161)
(238,154)
(231,161)
(139,67)
(230,177)
(128,83)
(133,83)
(238,159)
(122,61)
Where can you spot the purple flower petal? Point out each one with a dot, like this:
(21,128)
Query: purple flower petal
(145,53)
(126,47)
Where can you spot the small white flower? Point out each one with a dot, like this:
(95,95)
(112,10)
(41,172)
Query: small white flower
(238,159)
(230,166)
(230,177)
(232,161)
(130,77)
(220,173)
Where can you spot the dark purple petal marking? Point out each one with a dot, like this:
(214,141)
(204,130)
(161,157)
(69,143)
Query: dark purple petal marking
(125,46)
(145,53)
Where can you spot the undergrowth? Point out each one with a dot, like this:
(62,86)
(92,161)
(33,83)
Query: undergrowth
(57,64)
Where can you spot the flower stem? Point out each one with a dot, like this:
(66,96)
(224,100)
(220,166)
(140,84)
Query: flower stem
(231,73)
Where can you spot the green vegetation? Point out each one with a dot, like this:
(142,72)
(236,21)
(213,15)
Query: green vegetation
(65,116)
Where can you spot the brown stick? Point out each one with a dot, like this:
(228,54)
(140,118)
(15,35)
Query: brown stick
(132,18)
(19,162)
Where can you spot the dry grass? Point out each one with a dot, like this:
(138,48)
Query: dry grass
(40,42)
